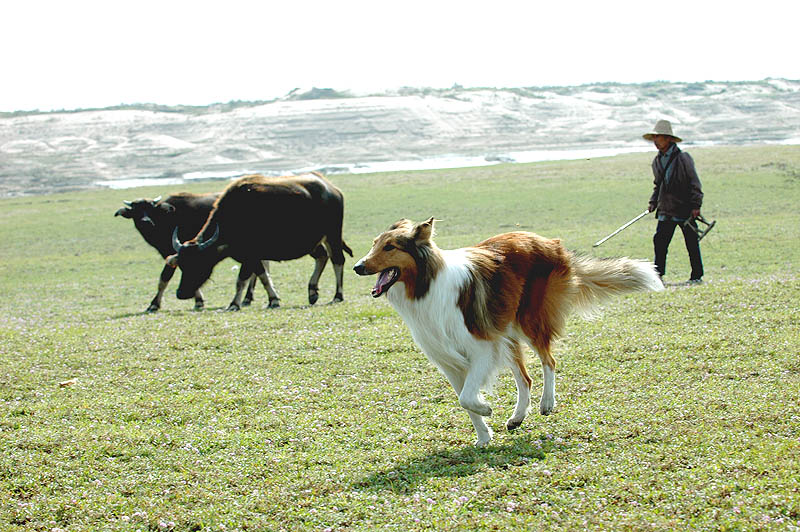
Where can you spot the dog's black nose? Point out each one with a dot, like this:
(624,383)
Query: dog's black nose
(360,269)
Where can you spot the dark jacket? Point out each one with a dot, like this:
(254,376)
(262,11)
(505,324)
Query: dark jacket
(683,193)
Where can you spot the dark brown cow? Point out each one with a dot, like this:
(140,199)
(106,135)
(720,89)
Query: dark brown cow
(267,218)
(157,219)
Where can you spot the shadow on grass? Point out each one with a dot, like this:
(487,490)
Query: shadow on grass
(165,312)
(461,462)
(214,309)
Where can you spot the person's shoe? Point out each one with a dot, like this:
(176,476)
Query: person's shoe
(694,281)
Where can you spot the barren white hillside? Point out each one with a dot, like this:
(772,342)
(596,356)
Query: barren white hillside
(333,132)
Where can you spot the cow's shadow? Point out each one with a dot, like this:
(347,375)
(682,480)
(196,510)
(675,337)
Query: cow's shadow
(460,462)
(163,313)
(217,309)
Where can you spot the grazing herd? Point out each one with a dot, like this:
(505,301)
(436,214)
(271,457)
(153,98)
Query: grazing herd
(254,220)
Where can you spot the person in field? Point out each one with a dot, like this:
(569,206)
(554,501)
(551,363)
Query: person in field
(676,199)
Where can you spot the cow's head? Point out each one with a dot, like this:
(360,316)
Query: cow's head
(196,260)
(144,212)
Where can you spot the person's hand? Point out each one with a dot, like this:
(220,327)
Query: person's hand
(695,213)
(651,207)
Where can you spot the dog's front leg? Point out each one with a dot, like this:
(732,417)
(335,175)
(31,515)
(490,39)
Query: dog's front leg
(478,372)
(483,431)
(456,379)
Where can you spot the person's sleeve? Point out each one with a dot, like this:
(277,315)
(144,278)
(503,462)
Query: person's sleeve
(695,187)
(656,186)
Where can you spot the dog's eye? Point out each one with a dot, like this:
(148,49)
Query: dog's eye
(388,247)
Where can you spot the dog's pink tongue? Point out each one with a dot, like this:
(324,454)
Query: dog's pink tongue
(383,278)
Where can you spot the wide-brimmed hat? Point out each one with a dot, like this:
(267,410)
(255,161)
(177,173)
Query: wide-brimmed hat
(663,127)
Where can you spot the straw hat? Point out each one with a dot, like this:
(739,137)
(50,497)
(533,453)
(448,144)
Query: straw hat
(663,127)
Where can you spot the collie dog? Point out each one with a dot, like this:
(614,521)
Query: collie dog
(471,310)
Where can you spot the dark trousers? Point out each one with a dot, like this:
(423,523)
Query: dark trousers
(662,238)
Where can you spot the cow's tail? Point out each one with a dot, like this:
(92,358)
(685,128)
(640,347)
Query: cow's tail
(347,248)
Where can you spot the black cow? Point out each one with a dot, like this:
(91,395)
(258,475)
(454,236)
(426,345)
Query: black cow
(269,218)
(158,219)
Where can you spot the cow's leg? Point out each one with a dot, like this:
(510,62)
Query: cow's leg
(321,258)
(339,271)
(163,281)
(337,258)
(266,280)
(199,302)
(245,272)
(249,296)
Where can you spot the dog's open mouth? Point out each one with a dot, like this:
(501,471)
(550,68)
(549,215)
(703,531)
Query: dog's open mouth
(385,280)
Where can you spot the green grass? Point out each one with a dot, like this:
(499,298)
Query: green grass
(677,410)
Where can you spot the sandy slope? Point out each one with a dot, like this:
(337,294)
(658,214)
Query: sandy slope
(68,150)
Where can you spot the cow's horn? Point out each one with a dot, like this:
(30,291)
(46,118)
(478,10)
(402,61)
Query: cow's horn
(176,242)
(156,200)
(128,203)
(203,245)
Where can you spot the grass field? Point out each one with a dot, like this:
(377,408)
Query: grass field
(677,410)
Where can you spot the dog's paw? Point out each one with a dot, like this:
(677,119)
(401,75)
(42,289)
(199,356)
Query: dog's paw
(547,405)
(484,439)
(513,424)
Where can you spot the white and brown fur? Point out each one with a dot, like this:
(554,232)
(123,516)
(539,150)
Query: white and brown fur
(472,310)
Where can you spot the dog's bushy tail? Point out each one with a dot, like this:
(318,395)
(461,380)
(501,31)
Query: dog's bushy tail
(598,279)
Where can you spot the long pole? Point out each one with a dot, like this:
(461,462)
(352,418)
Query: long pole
(645,213)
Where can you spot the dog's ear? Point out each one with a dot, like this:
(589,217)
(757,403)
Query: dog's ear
(423,232)
(403,222)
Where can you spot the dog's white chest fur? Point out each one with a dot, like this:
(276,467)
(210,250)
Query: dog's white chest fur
(435,321)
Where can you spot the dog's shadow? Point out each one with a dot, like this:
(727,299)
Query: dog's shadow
(461,462)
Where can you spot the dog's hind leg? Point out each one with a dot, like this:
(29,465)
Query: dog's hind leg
(456,379)
(548,402)
(523,381)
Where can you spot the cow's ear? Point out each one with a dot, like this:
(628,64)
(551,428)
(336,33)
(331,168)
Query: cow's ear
(124,212)
(166,207)
(423,232)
